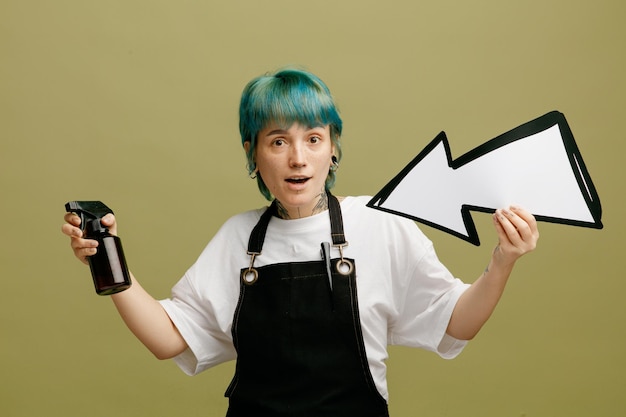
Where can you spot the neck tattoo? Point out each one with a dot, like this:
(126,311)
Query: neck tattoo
(320,206)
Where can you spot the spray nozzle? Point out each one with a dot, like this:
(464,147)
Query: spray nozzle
(90,212)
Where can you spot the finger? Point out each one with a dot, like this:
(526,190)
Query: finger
(83,248)
(523,233)
(110,222)
(80,243)
(84,252)
(505,220)
(71,231)
(519,223)
(526,226)
(499,229)
(527,217)
(108,219)
(72,218)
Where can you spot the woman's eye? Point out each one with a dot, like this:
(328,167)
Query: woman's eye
(279,142)
(314,139)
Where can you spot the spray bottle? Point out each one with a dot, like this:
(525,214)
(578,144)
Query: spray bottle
(108,266)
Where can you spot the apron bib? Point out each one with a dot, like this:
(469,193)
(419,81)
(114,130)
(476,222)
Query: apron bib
(297,332)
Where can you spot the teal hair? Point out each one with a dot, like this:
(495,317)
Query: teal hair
(286,97)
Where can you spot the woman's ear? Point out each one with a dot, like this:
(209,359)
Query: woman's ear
(334,164)
(246,146)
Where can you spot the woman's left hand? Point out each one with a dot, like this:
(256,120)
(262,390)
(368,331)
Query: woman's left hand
(517,234)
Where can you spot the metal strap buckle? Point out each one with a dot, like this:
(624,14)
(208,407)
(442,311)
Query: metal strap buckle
(343,266)
(250,275)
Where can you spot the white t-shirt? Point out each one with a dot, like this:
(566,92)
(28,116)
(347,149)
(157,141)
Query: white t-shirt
(405,294)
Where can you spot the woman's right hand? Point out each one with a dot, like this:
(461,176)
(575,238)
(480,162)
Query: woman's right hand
(143,315)
(85,247)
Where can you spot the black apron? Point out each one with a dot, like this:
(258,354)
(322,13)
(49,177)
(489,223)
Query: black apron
(297,332)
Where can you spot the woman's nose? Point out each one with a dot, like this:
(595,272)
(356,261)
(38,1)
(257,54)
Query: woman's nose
(297,157)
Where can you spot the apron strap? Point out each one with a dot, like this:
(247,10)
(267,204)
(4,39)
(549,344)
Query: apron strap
(257,237)
(336,220)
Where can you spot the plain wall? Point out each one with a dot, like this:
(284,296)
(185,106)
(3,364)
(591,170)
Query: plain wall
(135,104)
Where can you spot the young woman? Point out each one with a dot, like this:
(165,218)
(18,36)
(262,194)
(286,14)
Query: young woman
(307,293)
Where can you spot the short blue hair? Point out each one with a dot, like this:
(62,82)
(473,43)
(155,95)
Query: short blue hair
(286,97)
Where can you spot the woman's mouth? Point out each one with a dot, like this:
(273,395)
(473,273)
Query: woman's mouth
(297,180)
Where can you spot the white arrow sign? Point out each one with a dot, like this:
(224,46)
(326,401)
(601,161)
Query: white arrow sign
(536,166)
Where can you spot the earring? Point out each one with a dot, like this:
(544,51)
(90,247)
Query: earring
(334,164)
(252,172)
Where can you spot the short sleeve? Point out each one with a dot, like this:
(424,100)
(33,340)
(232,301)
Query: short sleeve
(425,300)
(203,302)
(208,344)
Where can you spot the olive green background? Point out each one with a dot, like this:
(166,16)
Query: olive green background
(135,103)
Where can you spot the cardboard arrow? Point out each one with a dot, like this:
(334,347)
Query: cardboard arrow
(536,166)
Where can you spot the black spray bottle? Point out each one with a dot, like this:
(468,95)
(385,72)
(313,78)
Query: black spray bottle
(108,266)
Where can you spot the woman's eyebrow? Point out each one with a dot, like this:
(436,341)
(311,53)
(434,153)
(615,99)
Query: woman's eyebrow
(286,132)
(276,132)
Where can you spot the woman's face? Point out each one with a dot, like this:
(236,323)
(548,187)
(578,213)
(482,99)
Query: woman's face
(294,163)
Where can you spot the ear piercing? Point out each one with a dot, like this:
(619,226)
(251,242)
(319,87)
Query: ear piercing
(252,171)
